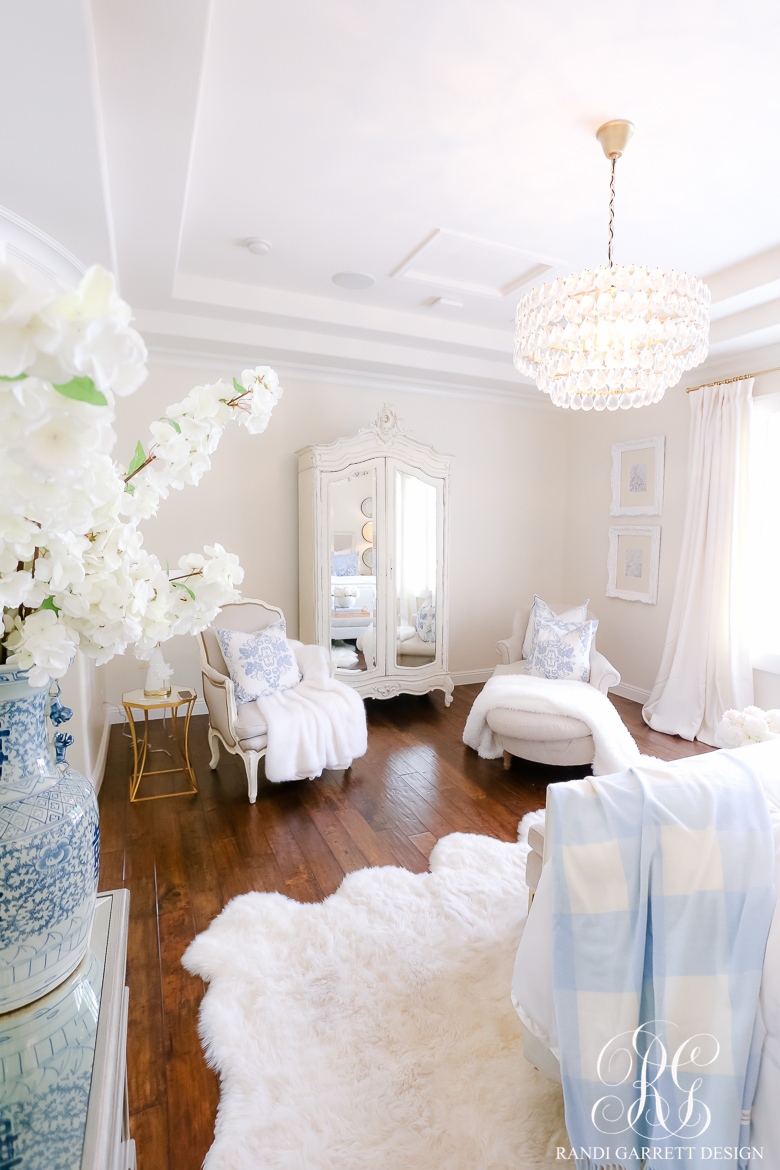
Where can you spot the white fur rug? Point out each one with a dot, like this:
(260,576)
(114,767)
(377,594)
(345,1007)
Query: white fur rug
(343,655)
(375,1031)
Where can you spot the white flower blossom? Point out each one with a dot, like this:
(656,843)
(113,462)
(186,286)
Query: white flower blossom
(73,570)
(42,645)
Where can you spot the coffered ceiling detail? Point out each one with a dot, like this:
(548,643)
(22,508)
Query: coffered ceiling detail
(465,264)
(446,149)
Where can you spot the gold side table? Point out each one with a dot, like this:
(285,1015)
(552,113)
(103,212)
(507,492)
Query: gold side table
(137,700)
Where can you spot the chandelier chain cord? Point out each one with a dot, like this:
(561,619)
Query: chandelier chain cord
(611,210)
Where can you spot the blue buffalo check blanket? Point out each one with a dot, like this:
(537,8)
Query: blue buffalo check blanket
(663,898)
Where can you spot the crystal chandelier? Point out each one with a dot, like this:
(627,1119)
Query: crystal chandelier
(615,336)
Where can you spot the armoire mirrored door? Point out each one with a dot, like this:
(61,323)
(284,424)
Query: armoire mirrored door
(416,516)
(354,529)
(373,558)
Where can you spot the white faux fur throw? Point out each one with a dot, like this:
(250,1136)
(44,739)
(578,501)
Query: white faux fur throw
(375,1030)
(615,747)
(319,724)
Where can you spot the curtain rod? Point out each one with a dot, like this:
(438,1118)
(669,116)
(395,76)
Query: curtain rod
(726,381)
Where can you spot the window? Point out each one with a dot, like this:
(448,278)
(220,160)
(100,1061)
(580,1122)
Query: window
(764,616)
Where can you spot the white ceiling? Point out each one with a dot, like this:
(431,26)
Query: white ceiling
(348,133)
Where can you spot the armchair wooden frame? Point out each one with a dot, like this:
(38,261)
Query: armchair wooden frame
(218,691)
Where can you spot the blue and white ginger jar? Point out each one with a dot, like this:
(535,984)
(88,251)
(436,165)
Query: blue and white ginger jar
(49,850)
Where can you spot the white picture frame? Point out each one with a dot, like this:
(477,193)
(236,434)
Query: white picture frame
(638,477)
(633,562)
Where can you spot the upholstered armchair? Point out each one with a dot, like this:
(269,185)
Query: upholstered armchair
(240,729)
(544,739)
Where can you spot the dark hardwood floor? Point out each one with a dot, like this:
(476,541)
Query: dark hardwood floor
(183,859)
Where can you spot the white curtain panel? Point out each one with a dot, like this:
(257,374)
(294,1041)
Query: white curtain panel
(705,668)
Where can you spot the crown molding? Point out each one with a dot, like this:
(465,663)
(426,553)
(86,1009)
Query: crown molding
(525,396)
(33,246)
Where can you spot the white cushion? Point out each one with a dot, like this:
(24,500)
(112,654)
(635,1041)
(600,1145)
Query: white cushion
(540,611)
(519,667)
(562,753)
(249,722)
(259,663)
(535,726)
(415,647)
(562,650)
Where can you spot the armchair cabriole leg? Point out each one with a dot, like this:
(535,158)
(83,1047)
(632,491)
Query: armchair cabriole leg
(214,745)
(251,760)
(507,761)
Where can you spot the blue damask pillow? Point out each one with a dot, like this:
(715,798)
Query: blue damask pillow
(344,564)
(426,622)
(541,612)
(260,663)
(560,652)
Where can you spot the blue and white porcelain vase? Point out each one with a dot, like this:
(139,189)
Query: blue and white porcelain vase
(49,849)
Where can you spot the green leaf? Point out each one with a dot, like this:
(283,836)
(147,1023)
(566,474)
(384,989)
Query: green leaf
(186,588)
(49,604)
(173,423)
(239,388)
(82,390)
(18,378)
(139,458)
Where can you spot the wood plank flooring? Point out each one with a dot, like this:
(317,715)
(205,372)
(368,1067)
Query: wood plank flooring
(183,859)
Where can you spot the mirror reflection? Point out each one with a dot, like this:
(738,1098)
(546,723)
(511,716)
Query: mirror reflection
(352,576)
(415,570)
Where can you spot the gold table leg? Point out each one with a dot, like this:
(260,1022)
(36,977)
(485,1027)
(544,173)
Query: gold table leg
(141,752)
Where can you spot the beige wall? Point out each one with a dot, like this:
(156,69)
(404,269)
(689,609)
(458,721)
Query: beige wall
(630,633)
(530,512)
(508,500)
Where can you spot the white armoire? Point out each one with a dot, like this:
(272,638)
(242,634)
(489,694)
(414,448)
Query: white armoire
(373,520)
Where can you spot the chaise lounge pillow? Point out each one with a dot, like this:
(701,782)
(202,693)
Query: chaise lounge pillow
(259,664)
(344,564)
(540,611)
(562,653)
(426,621)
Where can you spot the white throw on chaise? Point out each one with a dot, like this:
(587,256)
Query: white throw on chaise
(319,723)
(544,720)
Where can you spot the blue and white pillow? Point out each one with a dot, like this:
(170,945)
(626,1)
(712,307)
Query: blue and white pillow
(344,564)
(541,612)
(426,622)
(562,653)
(259,664)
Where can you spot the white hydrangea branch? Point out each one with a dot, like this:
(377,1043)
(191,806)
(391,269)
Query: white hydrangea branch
(73,570)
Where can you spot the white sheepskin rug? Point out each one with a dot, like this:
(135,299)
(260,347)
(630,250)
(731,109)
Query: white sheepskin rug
(374,1031)
(343,655)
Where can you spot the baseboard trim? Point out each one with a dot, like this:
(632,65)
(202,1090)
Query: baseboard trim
(627,691)
(463,677)
(117,714)
(96,779)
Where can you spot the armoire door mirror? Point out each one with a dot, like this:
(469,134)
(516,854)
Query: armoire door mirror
(373,513)
(416,572)
(352,578)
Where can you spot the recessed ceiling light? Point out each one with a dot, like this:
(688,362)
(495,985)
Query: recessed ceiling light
(354,280)
(257,246)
